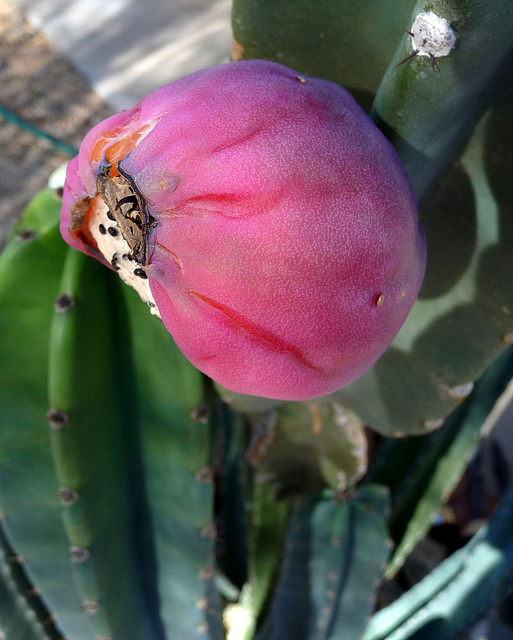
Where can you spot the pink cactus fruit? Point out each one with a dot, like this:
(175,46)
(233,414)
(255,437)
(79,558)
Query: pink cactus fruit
(263,216)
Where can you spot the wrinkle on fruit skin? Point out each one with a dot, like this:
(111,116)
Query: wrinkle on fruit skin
(285,252)
(259,333)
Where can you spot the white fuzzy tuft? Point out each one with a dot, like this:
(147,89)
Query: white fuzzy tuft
(432,35)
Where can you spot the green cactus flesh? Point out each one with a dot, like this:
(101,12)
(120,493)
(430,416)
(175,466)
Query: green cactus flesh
(29,498)
(428,105)
(350,42)
(125,449)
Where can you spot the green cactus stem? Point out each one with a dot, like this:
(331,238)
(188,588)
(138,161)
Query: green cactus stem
(428,104)
(343,605)
(89,434)
(174,446)
(328,576)
(121,414)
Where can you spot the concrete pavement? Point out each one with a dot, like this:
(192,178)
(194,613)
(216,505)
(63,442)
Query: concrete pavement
(126,48)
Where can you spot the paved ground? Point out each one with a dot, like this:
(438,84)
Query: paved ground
(122,49)
(127,48)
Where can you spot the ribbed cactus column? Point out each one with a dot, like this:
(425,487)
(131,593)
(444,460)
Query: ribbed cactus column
(92,431)
(29,279)
(112,523)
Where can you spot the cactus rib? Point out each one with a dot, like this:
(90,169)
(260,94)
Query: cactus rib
(327,565)
(425,129)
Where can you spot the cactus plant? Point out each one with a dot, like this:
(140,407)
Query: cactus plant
(141,500)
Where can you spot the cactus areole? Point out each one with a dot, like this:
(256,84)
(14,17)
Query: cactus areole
(264,218)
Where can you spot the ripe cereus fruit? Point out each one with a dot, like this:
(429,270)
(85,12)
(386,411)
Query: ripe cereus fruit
(263,217)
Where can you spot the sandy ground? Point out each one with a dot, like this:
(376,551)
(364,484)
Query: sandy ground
(66,81)
(40,86)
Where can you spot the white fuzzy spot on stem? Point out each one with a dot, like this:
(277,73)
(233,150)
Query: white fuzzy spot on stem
(432,35)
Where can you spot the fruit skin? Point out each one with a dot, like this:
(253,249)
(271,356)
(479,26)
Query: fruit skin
(287,250)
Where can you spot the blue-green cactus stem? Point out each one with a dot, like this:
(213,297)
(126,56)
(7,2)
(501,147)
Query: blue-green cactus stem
(127,450)
(291,608)
(459,592)
(229,502)
(89,439)
(174,444)
(328,576)
(344,573)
